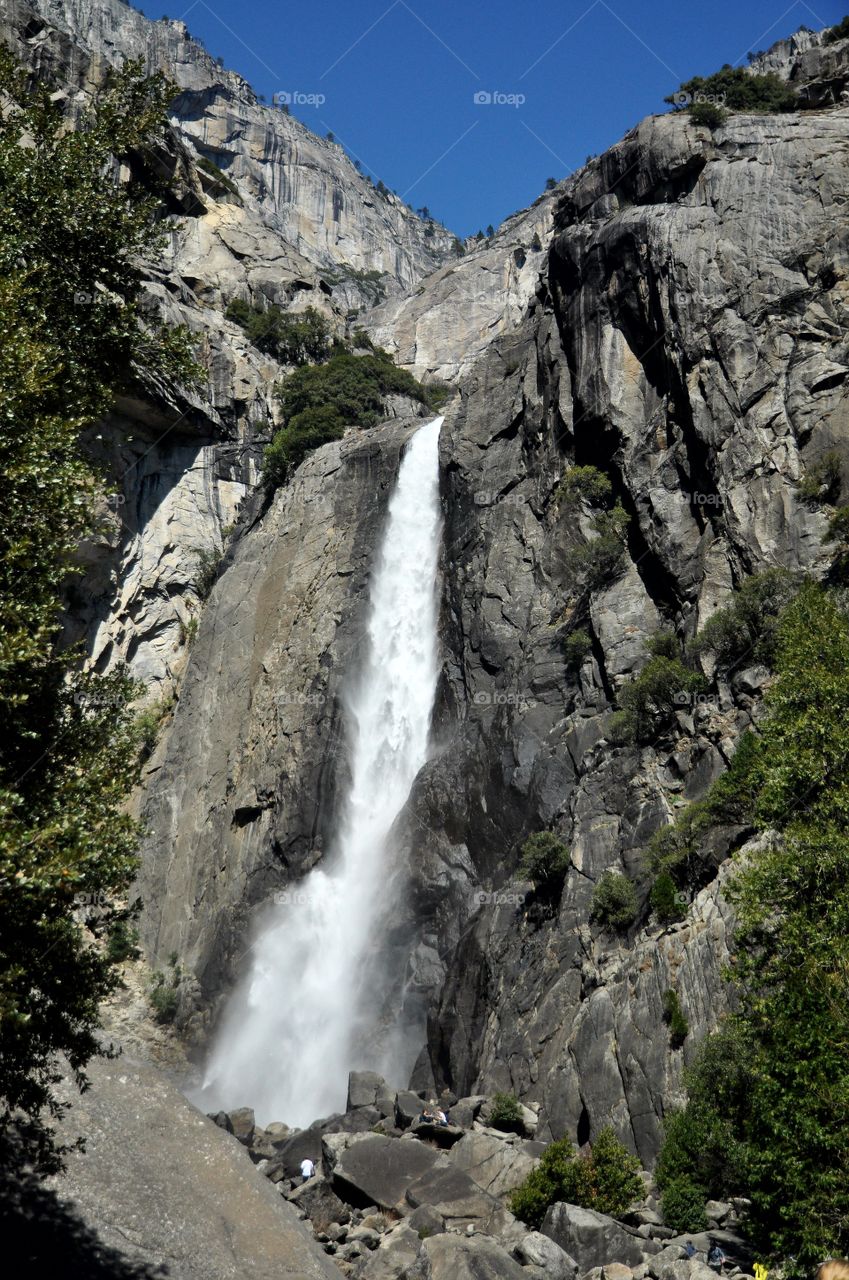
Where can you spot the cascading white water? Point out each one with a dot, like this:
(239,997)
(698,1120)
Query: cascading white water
(290,1030)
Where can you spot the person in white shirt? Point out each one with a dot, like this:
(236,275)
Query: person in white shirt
(307,1168)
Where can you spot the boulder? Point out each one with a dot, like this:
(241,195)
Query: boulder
(593,1239)
(459,1200)
(363,1088)
(453,1257)
(444,1135)
(408,1106)
(378,1170)
(465,1111)
(537,1250)
(242,1125)
(397,1254)
(159,1190)
(426,1221)
(320,1203)
(673,1252)
(527,1123)
(304,1145)
(616,1271)
(717,1210)
(497,1165)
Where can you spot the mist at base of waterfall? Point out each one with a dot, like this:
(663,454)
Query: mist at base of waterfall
(308,1010)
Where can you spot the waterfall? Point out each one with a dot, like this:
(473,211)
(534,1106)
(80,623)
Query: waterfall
(300,1019)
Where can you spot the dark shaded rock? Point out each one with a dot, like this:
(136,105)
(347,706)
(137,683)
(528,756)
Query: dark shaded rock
(443,1135)
(427,1221)
(320,1203)
(408,1106)
(242,1125)
(305,1145)
(459,1200)
(378,1170)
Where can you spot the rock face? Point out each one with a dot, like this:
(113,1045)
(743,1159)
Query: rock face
(162,1191)
(687,337)
(682,327)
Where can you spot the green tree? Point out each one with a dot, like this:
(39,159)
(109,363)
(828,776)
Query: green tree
(71,334)
(790,969)
(747,629)
(605,1179)
(738,90)
(545,860)
(614,902)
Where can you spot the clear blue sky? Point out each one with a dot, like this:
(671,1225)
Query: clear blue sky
(399,79)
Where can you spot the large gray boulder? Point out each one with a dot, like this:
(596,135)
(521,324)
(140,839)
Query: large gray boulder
(498,1165)
(459,1200)
(452,1257)
(593,1239)
(158,1186)
(363,1089)
(378,1170)
(537,1250)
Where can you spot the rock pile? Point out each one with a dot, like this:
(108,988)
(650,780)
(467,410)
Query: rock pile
(396,1197)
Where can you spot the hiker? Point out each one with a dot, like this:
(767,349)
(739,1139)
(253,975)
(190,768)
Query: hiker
(307,1168)
(690,1250)
(759,1271)
(441,1117)
(716,1258)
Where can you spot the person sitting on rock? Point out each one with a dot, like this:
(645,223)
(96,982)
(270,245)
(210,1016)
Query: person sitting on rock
(716,1258)
(441,1117)
(307,1168)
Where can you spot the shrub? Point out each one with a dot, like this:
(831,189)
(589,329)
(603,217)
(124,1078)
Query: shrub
(148,725)
(122,942)
(821,481)
(545,860)
(708,114)
(683,1206)
(614,903)
(576,647)
(208,560)
(673,1016)
(221,179)
(587,484)
(838,532)
(748,626)
(506,1113)
(665,901)
(739,90)
(163,992)
(292,338)
(648,702)
(605,1179)
(596,563)
(306,431)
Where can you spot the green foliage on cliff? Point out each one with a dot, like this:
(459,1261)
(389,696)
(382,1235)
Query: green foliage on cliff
(319,401)
(738,90)
(292,338)
(790,1116)
(71,334)
(506,1113)
(605,1179)
(614,904)
(545,860)
(838,32)
(648,702)
(745,632)
(673,1016)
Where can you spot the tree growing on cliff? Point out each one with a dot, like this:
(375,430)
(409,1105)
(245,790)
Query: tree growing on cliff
(605,1178)
(71,334)
(789,1119)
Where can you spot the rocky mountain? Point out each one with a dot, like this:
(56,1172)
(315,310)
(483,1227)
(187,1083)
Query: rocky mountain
(673,315)
(686,337)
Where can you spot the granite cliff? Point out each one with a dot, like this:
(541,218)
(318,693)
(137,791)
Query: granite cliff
(673,315)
